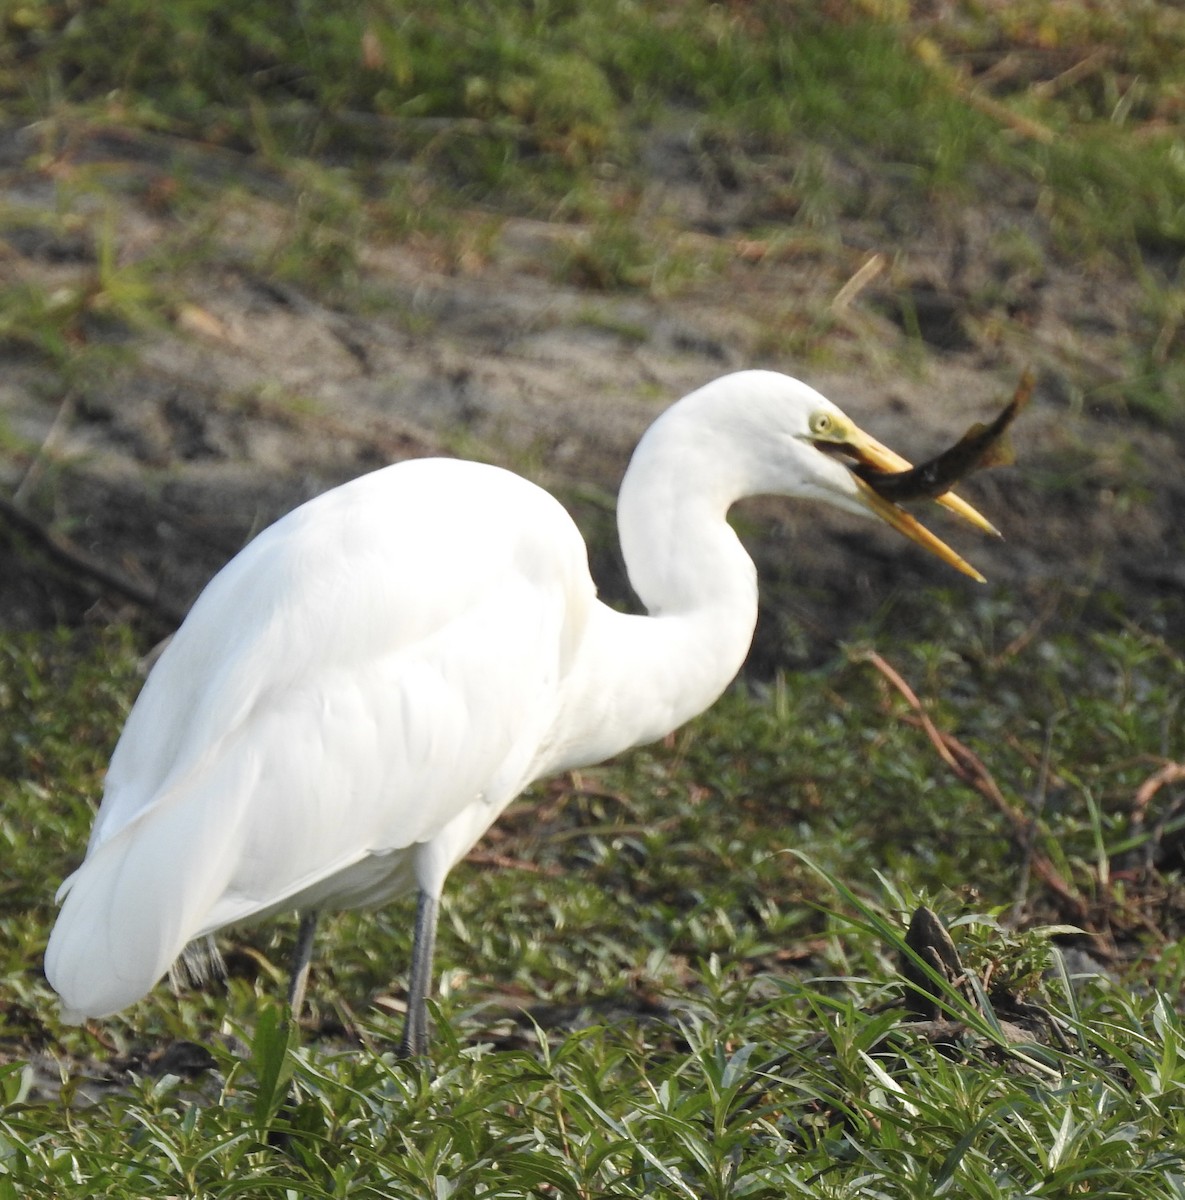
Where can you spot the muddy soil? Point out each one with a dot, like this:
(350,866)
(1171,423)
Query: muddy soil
(246,393)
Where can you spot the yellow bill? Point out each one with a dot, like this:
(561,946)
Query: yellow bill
(904,522)
(871,453)
(884,477)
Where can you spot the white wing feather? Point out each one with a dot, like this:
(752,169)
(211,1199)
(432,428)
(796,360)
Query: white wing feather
(379,669)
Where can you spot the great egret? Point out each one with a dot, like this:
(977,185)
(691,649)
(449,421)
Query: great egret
(358,694)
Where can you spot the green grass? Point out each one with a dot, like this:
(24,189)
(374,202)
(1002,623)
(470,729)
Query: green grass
(546,82)
(706,1008)
(324,129)
(532,100)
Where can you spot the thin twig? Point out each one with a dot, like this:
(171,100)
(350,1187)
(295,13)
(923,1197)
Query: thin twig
(1171,772)
(487,858)
(957,82)
(967,767)
(872,266)
(36,467)
(1093,62)
(1026,635)
(1038,808)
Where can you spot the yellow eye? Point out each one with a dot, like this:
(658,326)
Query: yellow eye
(822,424)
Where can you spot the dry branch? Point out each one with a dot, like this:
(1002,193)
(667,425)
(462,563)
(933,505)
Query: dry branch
(969,769)
(1171,772)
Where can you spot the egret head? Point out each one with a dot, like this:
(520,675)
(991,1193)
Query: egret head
(782,437)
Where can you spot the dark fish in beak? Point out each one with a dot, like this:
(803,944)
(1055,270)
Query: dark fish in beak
(980,447)
(887,480)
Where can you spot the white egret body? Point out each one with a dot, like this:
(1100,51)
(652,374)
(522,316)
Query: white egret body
(358,694)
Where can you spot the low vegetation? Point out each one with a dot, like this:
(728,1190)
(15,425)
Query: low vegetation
(680,974)
(335,128)
(686,973)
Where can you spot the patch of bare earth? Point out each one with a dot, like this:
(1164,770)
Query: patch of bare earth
(250,394)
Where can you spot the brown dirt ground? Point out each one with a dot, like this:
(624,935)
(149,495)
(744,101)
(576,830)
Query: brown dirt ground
(250,395)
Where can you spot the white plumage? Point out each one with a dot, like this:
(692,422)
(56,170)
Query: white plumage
(360,692)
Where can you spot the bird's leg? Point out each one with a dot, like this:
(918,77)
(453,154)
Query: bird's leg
(415,1031)
(302,957)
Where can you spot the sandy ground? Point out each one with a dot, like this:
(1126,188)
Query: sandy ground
(244,396)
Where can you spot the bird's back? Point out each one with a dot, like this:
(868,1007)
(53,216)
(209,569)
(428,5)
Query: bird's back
(378,669)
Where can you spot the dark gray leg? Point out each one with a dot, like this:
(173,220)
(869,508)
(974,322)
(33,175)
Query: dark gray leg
(415,1031)
(302,956)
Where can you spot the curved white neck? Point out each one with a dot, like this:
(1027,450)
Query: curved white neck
(639,677)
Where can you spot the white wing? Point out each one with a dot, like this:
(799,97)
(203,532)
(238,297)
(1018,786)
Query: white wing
(375,664)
